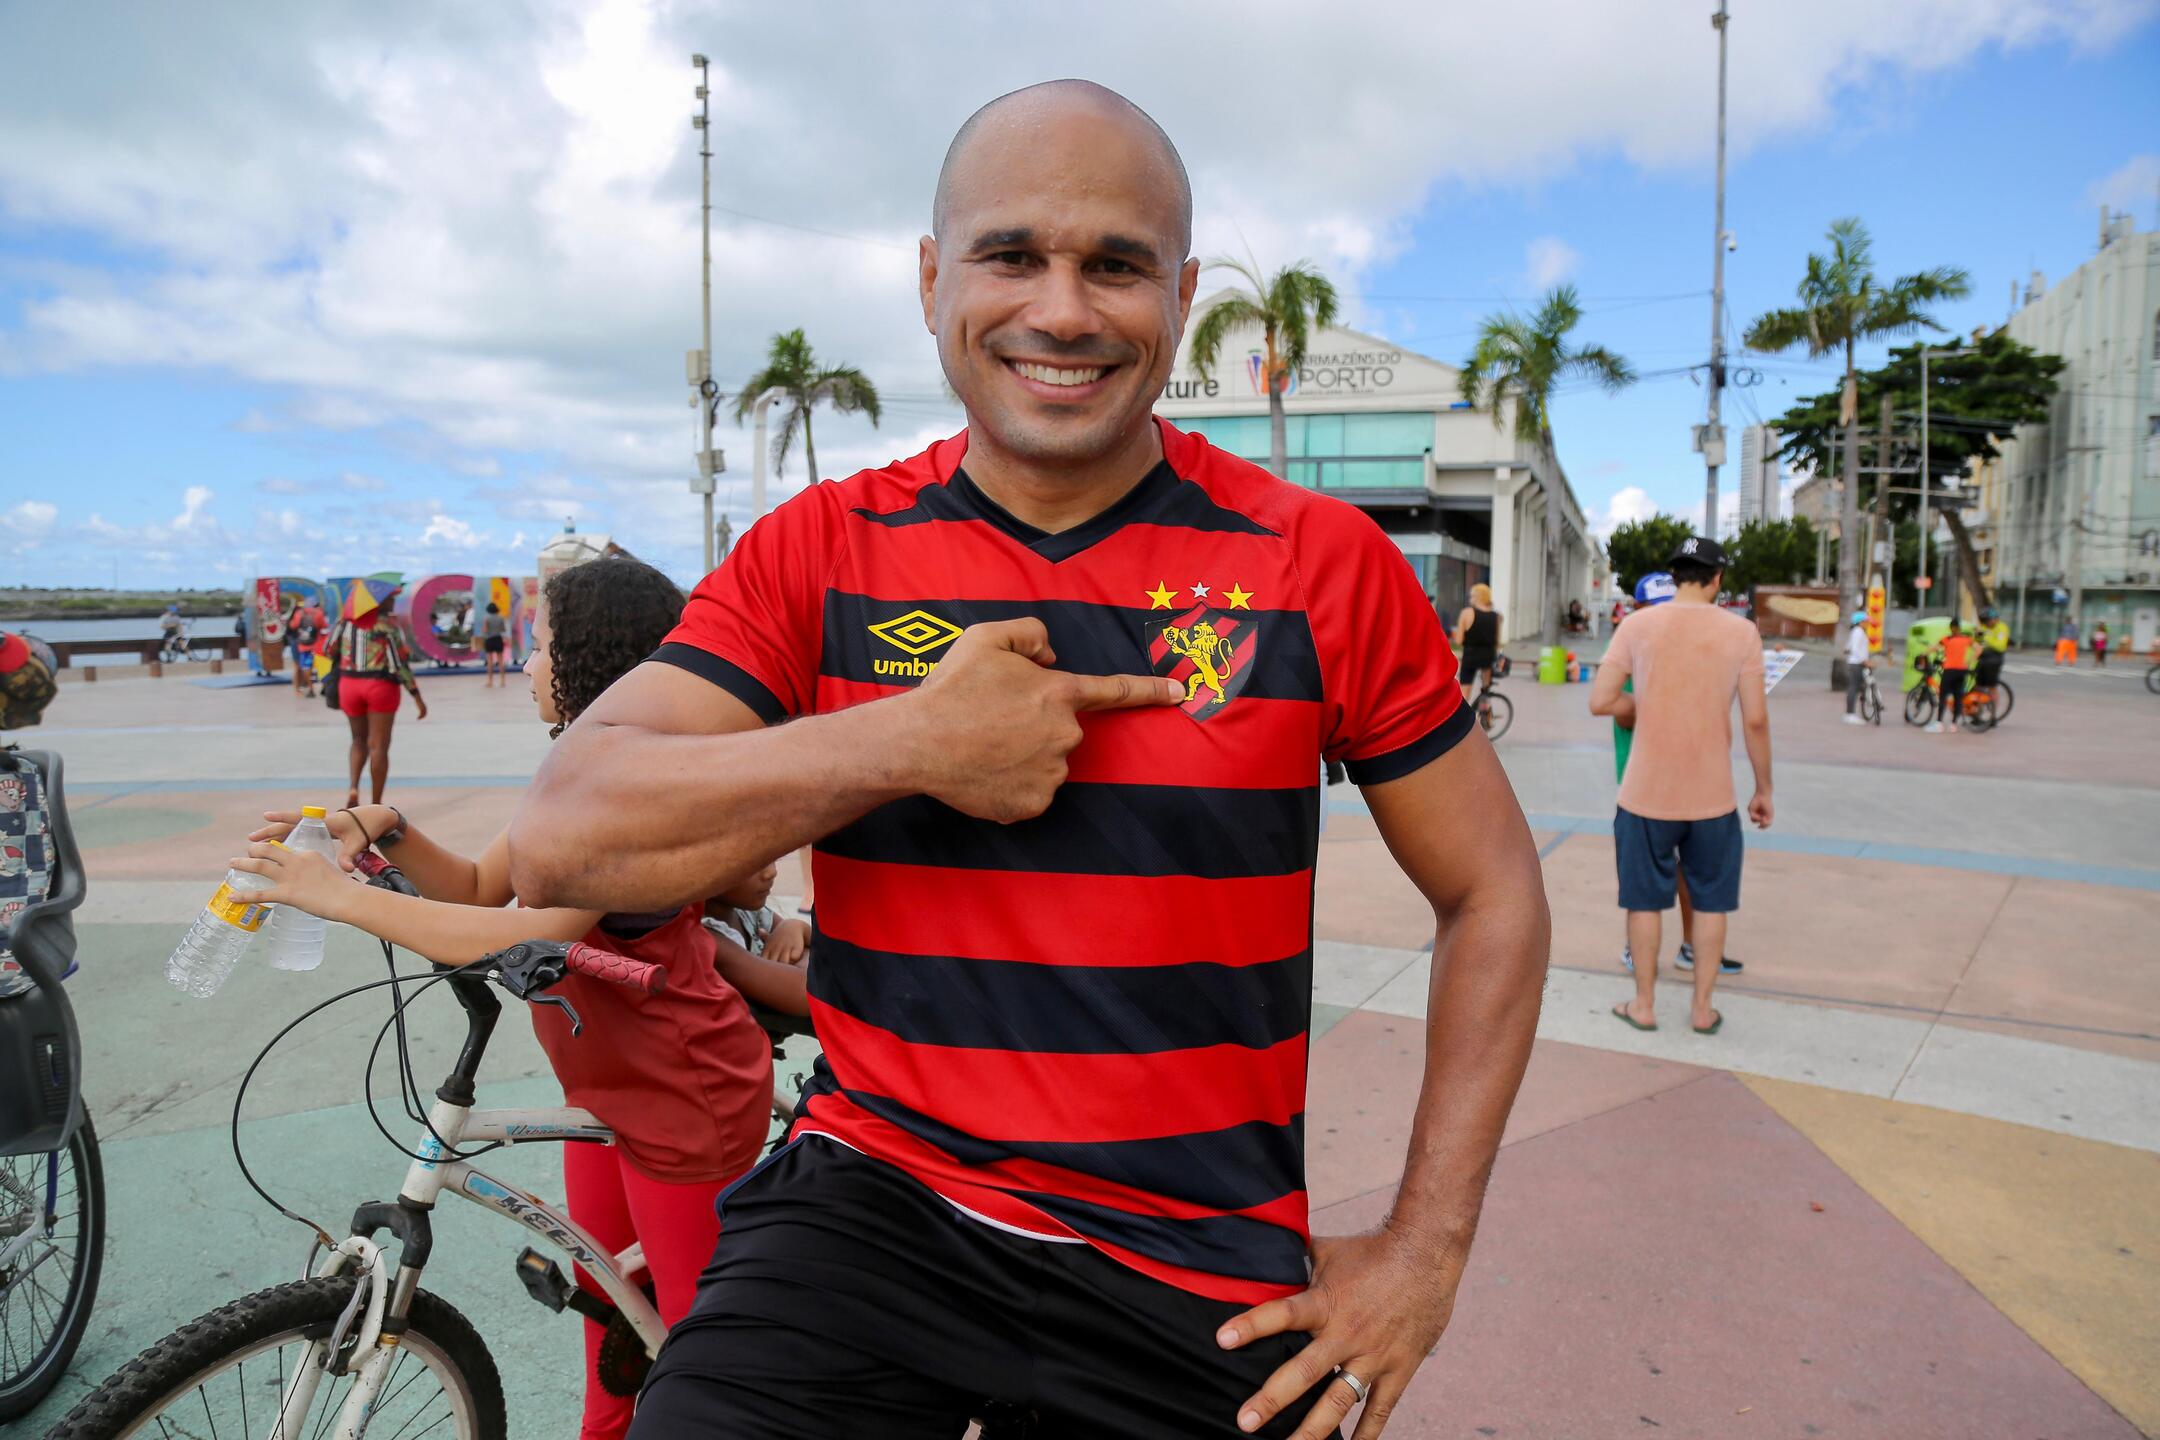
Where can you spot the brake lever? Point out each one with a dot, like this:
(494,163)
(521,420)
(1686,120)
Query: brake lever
(577,1026)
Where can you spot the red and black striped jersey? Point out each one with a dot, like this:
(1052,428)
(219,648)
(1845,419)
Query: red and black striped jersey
(1091,1025)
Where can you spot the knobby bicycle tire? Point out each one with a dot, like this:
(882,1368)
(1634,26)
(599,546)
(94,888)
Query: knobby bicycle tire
(20,1393)
(198,1352)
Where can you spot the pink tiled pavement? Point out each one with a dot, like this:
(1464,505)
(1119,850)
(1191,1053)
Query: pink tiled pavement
(1661,1269)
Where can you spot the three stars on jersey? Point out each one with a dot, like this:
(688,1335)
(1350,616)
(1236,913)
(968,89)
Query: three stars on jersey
(1162,597)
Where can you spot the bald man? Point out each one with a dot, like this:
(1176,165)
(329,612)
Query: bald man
(1052,1160)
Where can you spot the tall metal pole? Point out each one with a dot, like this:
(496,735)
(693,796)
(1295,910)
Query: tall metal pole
(1927,520)
(1713,451)
(708,392)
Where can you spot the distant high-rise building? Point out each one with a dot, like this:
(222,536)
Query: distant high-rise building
(1759,473)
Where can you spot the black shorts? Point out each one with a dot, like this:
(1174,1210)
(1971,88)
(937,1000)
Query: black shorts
(493,645)
(1650,853)
(1474,659)
(847,1300)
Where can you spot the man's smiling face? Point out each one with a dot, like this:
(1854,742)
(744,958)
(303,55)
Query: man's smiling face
(1057,283)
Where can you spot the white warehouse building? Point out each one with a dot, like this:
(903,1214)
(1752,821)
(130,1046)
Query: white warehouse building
(1387,429)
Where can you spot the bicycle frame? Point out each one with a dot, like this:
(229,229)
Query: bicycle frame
(381,1326)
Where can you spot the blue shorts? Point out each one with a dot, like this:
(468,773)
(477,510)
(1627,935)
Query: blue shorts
(1650,852)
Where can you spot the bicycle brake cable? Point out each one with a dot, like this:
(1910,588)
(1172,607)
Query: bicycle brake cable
(240,1095)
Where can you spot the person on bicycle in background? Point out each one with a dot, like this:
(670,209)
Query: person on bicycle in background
(1477,638)
(1859,659)
(1956,648)
(683,1078)
(1994,636)
(1062,970)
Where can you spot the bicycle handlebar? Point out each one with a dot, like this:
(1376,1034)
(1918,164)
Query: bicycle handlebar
(615,969)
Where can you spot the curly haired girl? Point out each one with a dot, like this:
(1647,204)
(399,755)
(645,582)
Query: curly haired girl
(684,1078)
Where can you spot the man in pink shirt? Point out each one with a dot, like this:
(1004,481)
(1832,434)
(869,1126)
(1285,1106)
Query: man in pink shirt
(1678,814)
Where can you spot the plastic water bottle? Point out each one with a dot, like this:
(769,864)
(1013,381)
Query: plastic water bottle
(219,936)
(296,937)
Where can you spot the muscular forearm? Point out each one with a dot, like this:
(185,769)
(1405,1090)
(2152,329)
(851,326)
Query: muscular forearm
(1488,977)
(625,818)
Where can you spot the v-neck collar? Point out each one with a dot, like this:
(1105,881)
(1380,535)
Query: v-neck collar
(1055,546)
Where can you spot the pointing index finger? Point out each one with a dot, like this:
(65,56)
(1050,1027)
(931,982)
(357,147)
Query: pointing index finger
(1124,692)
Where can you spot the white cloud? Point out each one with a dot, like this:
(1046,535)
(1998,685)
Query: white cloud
(193,502)
(2133,188)
(284,485)
(31,518)
(353,480)
(475,230)
(1548,261)
(447,530)
(1630,502)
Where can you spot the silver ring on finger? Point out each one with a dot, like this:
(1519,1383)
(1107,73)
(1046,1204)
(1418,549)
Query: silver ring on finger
(1357,1387)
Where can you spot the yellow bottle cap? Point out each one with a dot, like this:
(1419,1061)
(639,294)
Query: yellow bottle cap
(312,812)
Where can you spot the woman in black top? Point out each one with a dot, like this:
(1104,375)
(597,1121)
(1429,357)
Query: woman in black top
(1477,636)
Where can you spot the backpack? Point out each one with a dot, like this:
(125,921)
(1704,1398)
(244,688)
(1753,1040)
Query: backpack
(41,882)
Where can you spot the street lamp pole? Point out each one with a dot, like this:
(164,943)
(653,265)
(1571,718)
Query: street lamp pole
(1713,446)
(708,393)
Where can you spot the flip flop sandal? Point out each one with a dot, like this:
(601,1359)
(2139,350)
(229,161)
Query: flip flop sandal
(1713,1026)
(1620,1014)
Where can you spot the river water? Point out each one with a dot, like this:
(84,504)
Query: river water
(105,627)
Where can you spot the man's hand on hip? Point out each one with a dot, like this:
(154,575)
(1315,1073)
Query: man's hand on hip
(1375,1310)
(994,723)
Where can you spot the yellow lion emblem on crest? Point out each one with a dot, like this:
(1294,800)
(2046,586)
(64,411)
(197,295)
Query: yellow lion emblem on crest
(1211,654)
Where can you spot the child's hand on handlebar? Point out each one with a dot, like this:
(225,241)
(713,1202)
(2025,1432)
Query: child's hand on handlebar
(350,828)
(299,878)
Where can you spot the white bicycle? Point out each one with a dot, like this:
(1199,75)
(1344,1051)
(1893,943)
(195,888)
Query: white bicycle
(358,1348)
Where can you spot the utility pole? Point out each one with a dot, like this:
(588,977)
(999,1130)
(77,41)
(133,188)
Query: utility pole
(1880,531)
(1927,518)
(707,396)
(1713,446)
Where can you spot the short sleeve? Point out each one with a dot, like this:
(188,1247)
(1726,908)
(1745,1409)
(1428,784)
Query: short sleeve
(1620,652)
(1748,642)
(1389,700)
(755,626)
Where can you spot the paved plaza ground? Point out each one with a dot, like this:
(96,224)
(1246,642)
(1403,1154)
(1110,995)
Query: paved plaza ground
(1911,1190)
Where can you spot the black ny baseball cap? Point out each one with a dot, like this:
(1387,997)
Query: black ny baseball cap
(1701,549)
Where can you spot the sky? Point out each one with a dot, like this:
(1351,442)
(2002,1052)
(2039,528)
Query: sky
(358,285)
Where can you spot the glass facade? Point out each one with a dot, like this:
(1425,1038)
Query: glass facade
(1383,451)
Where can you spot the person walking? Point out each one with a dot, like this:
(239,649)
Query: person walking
(2100,643)
(1677,813)
(304,626)
(494,640)
(374,665)
(1858,661)
(2066,642)
(1050,1155)
(1956,649)
(1477,638)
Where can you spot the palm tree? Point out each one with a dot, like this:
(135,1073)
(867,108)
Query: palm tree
(791,365)
(1527,357)
(1841,304)
(1286,310)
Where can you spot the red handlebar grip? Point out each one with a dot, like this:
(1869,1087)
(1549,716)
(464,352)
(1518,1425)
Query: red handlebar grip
(615,969)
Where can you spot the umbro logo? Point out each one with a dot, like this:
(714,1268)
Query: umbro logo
(918,632)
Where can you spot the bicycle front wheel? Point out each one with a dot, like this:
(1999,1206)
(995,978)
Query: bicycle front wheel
(1919,705)
(2005,697)
(229,1372)
(2152,679)
(1495,713)
(47,1288)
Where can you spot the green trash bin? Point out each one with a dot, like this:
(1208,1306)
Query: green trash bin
(1918,641)
(1552,665)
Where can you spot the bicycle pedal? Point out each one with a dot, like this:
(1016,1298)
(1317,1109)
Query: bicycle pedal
(544,1280)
